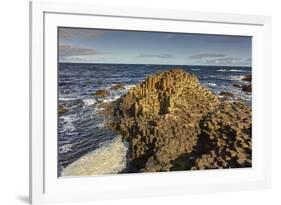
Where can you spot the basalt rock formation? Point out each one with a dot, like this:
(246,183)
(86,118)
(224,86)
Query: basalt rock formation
(173,123)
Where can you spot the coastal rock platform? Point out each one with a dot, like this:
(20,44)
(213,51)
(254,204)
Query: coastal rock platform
(173,123)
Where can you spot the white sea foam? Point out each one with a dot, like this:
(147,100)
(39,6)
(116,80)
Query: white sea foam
(68,122)
(90,101)
(237,77)
(100,125)
(212,84)
(65,148)
(67,98)
(110,158)
(111,98)
(195,69)
(128,87)
(232,70)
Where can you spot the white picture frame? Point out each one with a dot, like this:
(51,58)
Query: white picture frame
(45,187)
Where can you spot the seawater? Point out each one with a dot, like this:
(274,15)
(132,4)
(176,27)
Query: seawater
(85,145)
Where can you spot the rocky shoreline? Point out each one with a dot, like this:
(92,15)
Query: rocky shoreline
(173,123)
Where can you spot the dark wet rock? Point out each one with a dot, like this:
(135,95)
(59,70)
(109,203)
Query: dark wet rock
(247,88)
(62,110)
(247,78)
(102,93)
(105,108)
(173,123)
(237,85)
(118,87)
(228,94)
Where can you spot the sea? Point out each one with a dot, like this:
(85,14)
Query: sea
(85,145)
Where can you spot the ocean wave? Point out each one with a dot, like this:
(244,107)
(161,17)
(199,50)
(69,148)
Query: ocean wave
(89,102)
(128,87)
(67,121)
(231,70)
(114,95)
(116,75)
(65,148)
(195,69)
(67,98)
(100,125)
(111,98)
(212,84)
(110,158)
(237,77)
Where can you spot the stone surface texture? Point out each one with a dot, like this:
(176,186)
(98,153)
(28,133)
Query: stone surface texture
(173,123)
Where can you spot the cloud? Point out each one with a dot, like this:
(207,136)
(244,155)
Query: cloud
(72,50)
(226,61)
(89,59)
(79,33)
(143,55)
(206,55)
(70,59)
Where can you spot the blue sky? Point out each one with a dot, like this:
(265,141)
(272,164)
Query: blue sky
(78,45)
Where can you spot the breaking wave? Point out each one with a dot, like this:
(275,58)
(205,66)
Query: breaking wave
(90,101)
(110,158)
(237,77)
(231,70)
(212,84)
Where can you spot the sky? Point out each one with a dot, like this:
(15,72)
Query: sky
(80,45)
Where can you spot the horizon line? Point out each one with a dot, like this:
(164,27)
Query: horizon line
(154,64)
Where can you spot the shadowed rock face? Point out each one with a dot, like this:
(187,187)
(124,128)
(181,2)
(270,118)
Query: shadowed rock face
(173,123)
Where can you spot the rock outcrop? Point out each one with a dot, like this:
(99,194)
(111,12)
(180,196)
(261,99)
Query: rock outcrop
(237,85)
(61,110)
(247,78)
(173,123)
(247,88)
(102,93)
(118,87)
(228,94)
